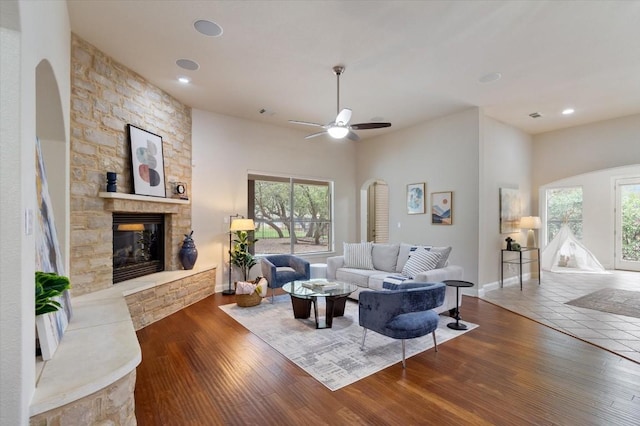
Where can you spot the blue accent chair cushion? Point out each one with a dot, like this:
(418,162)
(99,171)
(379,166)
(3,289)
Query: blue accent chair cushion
(280,269)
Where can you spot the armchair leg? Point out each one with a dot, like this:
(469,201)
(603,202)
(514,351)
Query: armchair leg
(404,364)
(435,344)
(364,334)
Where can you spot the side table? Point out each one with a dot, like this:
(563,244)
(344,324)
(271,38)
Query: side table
(520,260)
(457,284)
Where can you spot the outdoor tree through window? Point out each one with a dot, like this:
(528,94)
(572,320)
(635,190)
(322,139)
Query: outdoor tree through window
(292,215)
(564,205)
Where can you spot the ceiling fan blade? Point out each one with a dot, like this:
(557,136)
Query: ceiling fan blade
(365,126)
(313,135)
(353,136)
(306,123)
(343,117)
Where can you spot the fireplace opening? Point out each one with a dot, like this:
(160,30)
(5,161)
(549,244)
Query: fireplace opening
(138,245)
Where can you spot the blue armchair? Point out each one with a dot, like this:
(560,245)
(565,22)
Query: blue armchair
(280,269)
(404,313)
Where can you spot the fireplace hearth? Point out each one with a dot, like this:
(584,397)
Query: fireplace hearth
(138,245)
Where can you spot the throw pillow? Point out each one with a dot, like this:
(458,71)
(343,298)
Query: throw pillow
(358,255)
(385,257)
(420,260)
(444,255)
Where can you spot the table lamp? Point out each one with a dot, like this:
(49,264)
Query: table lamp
(238,223)
(530,223)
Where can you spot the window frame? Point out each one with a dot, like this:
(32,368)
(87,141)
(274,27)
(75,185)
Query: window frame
(292,181)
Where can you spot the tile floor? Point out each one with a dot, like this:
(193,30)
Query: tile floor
(546,304)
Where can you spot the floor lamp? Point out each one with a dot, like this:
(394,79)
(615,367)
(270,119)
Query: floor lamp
(237,222)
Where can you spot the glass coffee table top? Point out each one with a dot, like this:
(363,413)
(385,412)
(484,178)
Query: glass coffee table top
(319,288)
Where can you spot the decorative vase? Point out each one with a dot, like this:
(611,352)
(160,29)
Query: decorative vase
(112,179)
(188,253)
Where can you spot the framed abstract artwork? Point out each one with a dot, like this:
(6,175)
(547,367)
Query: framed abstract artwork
(415,198)
(509,210)
(442,208)
(147,162)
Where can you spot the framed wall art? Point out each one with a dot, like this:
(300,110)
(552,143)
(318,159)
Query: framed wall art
(442,208)
(415,198)
(147,162)
(509,210)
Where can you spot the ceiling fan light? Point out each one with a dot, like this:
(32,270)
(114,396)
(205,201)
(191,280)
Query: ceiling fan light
(338,132)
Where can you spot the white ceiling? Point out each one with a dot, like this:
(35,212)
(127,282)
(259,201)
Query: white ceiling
(406,61)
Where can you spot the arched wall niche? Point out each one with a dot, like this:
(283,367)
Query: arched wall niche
(51,132)
(368,216)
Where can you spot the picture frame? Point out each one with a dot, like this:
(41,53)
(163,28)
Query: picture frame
(415,198)
(509,210)
(147,162)
(442,208)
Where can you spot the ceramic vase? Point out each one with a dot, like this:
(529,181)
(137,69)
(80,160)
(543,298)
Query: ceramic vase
(188,253)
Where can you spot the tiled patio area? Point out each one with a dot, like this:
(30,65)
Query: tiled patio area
(546,304)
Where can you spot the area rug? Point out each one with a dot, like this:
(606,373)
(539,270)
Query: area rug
(620,302)
(332,356)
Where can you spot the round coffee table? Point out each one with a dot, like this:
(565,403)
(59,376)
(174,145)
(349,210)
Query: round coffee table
(457,284)
(305,293)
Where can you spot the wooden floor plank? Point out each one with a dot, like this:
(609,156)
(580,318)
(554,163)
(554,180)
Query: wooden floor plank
(201,367)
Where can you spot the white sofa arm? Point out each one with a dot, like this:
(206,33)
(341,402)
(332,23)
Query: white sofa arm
(451,272)
(333,263)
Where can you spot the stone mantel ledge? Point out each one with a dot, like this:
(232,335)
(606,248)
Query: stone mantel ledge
(100,345)
(145,198)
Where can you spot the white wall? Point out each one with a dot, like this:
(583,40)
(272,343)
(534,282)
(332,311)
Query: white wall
(505,163)
(443,153)
(43,32)
(226,149)
(598,219)
(583,149)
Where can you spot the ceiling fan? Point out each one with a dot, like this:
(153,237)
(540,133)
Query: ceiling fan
(340,127)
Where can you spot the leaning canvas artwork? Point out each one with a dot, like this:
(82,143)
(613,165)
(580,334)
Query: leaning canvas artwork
(509,210)
(50,327)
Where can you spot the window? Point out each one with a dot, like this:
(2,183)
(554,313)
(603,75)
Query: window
(564,205)
(292,215)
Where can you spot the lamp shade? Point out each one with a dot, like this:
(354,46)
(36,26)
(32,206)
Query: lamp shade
(242,225)
(530,222)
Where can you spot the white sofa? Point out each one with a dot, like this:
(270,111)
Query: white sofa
(388,261)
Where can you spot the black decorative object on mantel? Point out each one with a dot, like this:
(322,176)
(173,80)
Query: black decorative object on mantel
(112,179)
(509,240)
(188,253)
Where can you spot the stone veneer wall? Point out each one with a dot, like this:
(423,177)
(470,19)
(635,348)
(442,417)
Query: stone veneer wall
(113,405)
(105,97)
(151,305)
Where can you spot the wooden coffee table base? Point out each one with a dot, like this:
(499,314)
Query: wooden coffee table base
(335,308)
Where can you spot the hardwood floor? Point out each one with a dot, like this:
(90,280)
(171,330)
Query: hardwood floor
(200,367)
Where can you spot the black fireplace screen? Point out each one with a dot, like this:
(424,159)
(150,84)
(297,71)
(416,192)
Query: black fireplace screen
(138,245)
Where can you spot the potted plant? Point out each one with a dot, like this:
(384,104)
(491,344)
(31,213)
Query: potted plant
(48,286)
(240,255)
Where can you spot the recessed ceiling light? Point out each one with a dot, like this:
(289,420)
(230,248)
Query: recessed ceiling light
(187,64)
(208,28)
(184,80)
(490,78)
(568,111)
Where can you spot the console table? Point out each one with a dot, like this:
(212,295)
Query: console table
(524,256)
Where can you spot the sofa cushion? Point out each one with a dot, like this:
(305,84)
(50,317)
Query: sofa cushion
(358,255)
(359,277)
(444,255)
(385,256)
(420,260)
